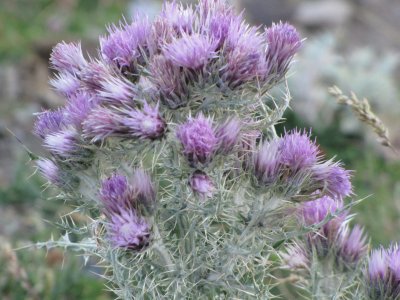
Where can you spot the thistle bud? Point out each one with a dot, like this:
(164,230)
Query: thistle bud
(201,184)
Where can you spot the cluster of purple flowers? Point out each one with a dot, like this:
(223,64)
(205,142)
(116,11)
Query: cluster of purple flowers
(383,273)
(201,140)
(333,237)
(144,69)
(294,163)
(125,204)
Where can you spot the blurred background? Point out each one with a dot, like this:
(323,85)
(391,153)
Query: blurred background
(353,44)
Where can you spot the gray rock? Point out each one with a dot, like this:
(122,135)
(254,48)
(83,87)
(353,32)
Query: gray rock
(323,13)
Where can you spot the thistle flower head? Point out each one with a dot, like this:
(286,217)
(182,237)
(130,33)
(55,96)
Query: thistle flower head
(67,57)
(78,108)
(116,194)
(283,43)
(190,51)
(313,213)
(297,150)
(198,139)
(50,171)
(102,123)
(201,184)
(228,134)
(377,265)
(92,76)
(244,56)
(48,122)
(116,90)
(64,143)
(266,163)
(339,184)
(129,231)
(66,84)
(216,18)
(383,273)
(169,82)
(145,123)
(332,178)
(123,44)
(296,257)
(352,246)
(143,189)
(179,18)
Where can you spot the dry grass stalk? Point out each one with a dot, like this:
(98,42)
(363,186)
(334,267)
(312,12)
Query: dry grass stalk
(362,110)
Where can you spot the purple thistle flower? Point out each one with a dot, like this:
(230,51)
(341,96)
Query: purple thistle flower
(315,212)
(143,190)
(216,18)
(378,266)
(169,81)
(146,123)
(352,246)
(128,230)
(190,51)
(126,123)
(298,152)
(244,56)
(48,122)
(383,273)
(64,143)
(78,108)
(116,194)
(333,179)
(283,43)
(296,257)
(67,57)
(92,76)
(117,90)
(201,184)
(123,45)
(198,139)
(102,123)
(228,134)
(66,84)
(50,171)
(339,184)
(180,19)
(266,163)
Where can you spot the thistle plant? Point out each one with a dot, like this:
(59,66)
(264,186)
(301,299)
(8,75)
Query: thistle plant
(167,143)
